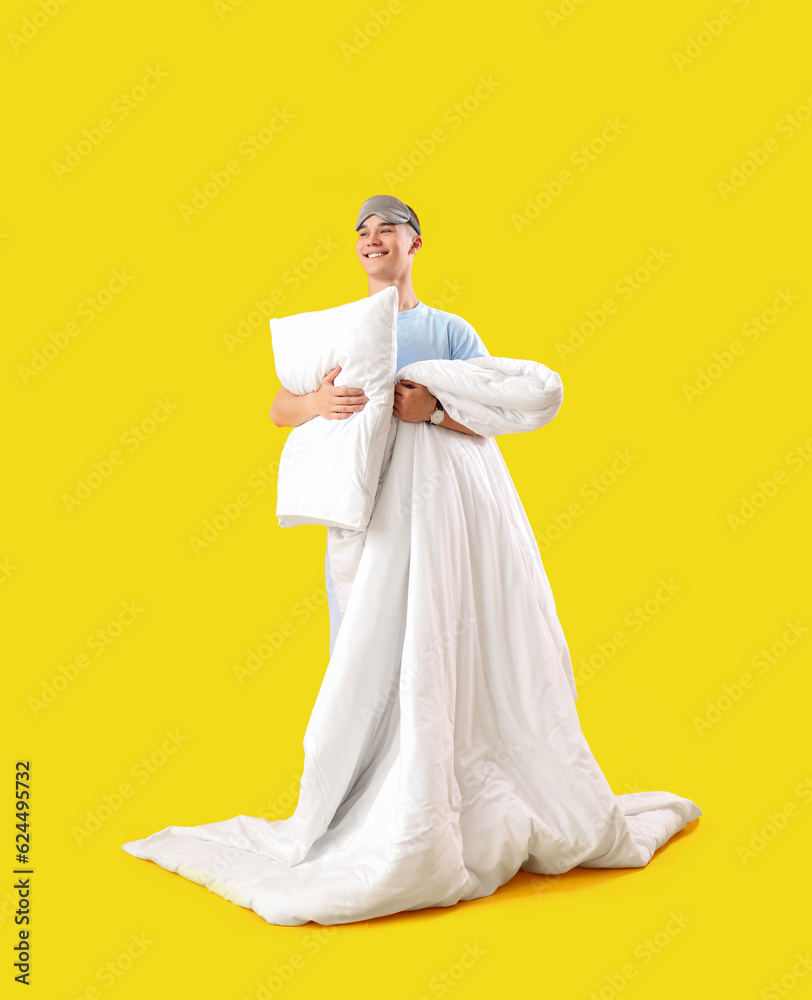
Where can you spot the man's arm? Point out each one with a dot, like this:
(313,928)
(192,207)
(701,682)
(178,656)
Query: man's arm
(330,401)
(414,402)
(449,422)
(290,410)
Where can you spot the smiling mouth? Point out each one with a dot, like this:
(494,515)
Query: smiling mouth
(376,254)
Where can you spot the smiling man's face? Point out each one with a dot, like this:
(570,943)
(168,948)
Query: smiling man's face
(386,249)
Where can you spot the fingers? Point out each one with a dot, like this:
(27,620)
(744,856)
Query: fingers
(343,402)
(341,411)
(351,396)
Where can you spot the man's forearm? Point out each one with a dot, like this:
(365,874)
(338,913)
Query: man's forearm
(452,425)
(290,410)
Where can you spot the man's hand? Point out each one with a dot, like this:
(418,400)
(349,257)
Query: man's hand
(337,402)
(329,400)
(414,402)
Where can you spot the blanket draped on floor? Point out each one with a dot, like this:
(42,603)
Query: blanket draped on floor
(444,751)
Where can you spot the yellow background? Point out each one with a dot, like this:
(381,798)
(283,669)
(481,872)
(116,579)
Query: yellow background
(222,72)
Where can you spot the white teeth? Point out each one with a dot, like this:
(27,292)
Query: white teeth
(374,255)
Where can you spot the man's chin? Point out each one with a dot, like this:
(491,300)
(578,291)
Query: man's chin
(377,262)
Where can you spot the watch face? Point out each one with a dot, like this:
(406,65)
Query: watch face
(437,416)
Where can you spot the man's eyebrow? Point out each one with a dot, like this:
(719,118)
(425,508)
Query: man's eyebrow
(365,226)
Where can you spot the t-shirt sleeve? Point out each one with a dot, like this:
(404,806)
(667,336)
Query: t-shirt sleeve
(464,341)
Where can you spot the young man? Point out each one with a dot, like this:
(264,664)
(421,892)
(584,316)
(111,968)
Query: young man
(389,237)
(444,750)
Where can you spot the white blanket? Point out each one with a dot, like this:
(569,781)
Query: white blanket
(444,751)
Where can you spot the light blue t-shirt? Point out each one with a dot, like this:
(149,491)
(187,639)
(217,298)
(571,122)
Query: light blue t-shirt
(428,334)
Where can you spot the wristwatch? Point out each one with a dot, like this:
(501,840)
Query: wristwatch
(438,414)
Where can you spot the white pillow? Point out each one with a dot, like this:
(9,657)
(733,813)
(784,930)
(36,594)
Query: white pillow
(329,469)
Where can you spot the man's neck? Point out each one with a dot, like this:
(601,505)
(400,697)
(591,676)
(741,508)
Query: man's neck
(406,296)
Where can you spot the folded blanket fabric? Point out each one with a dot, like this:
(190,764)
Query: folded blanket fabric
(491,396)
(444,751)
